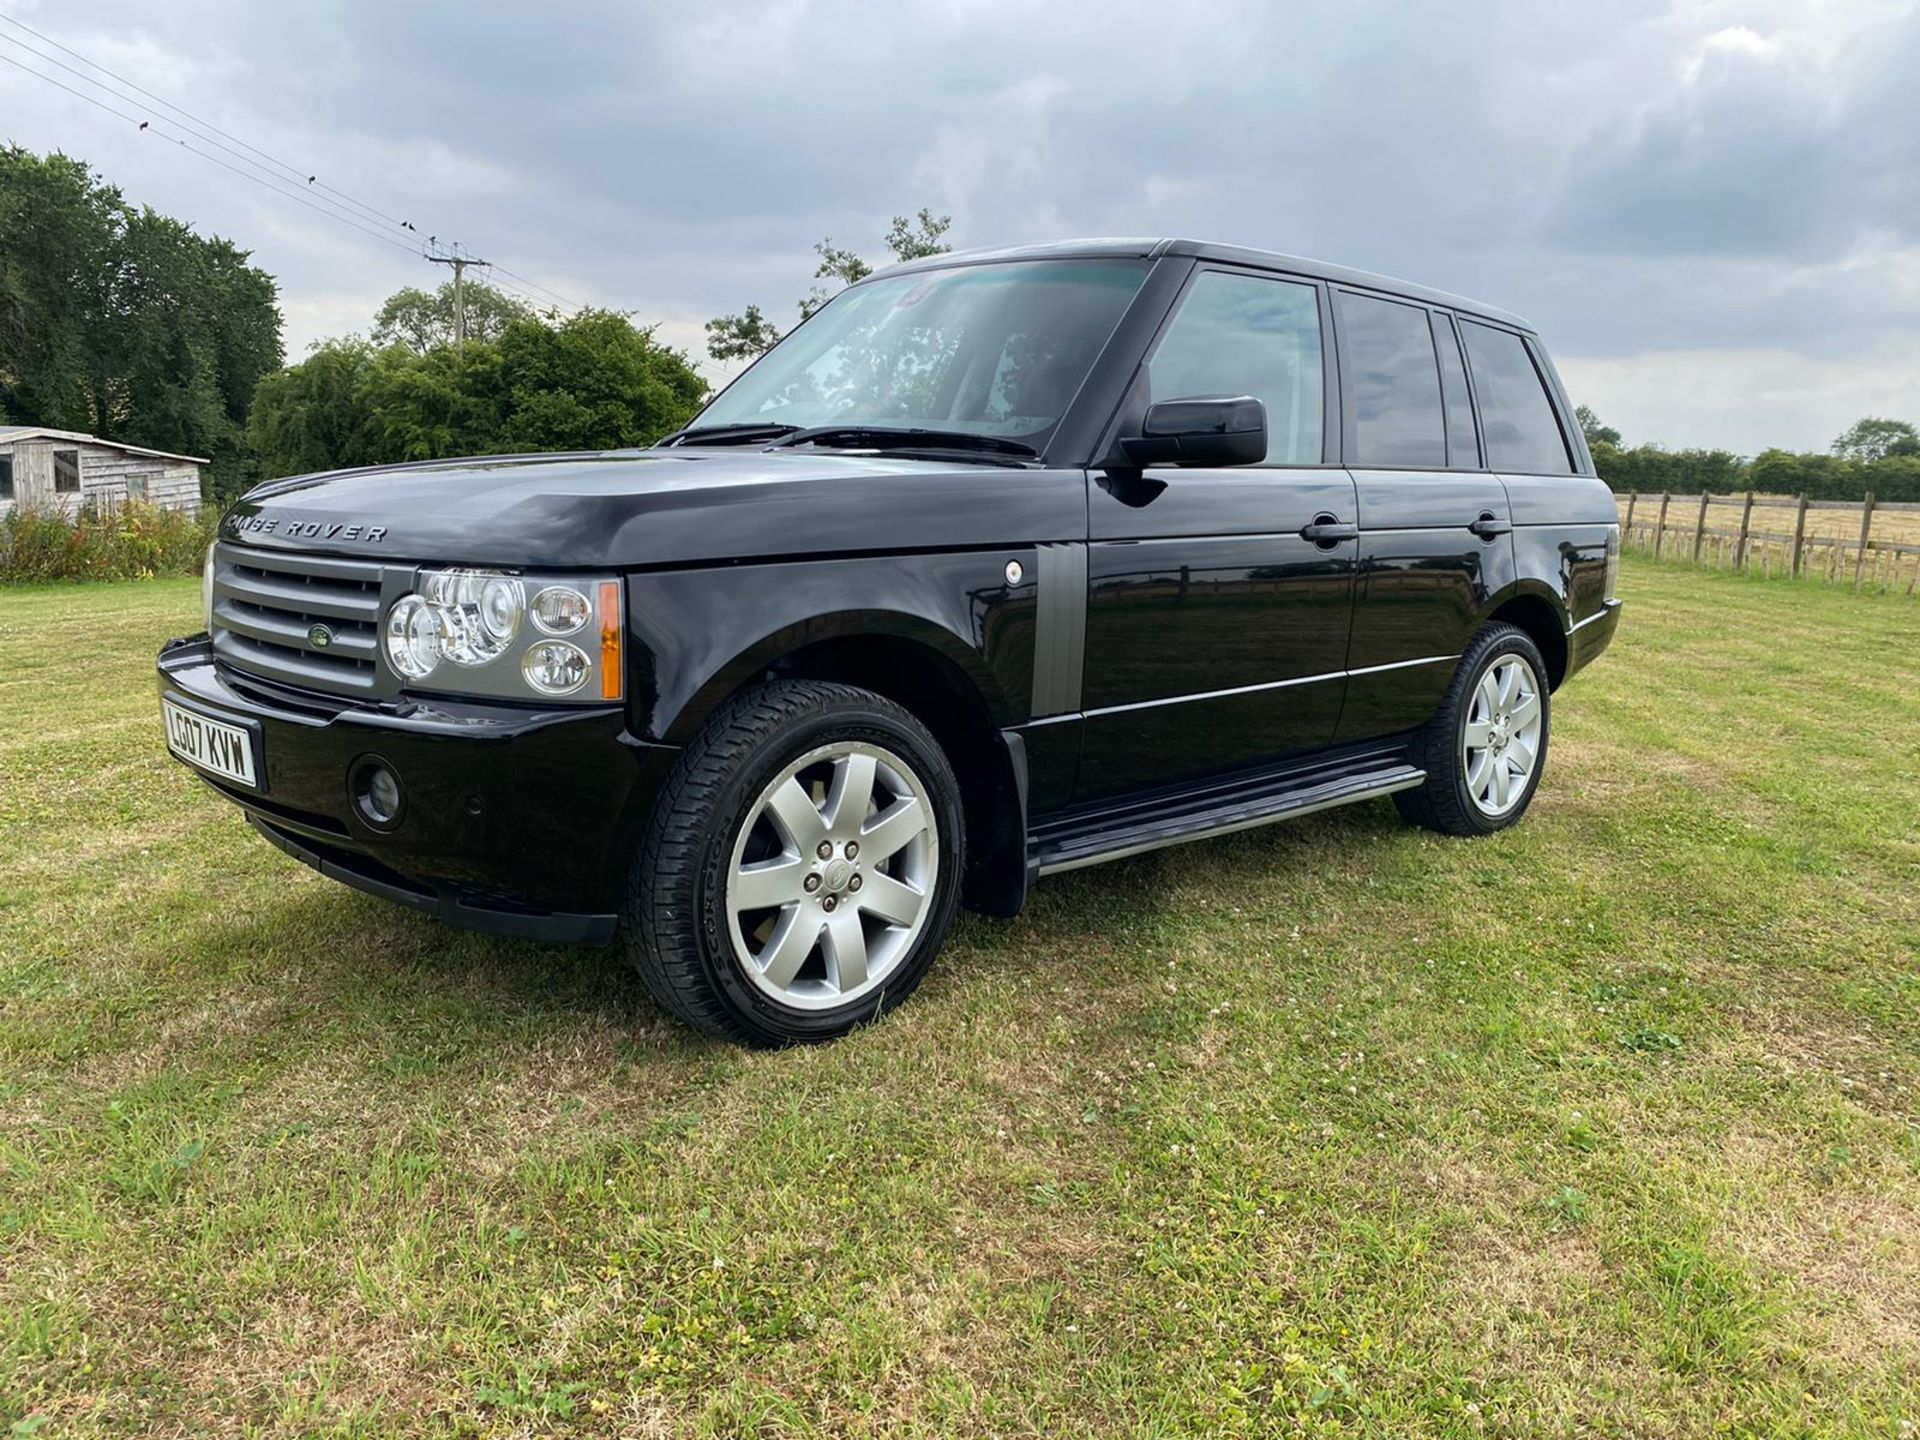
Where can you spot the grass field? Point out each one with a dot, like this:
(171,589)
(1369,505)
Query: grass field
(1606,1125)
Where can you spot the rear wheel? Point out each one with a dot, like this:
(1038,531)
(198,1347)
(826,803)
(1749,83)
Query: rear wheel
(1486,746)
(801,870)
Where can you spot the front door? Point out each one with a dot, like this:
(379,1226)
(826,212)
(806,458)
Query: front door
(1435,529)
(1216,630)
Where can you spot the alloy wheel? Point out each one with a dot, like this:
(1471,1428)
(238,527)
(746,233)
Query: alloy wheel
(832,875)
(1500,743)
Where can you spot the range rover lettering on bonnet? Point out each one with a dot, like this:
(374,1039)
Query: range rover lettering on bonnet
(1001,565)
(238,525)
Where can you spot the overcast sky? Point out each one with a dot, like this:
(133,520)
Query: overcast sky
(1712,211)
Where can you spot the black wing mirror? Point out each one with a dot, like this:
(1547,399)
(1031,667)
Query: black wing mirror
(1215,430)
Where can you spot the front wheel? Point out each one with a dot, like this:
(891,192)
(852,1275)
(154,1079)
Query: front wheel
(802,866)
(1486,746)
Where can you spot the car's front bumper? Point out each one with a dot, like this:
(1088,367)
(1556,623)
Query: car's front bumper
(517,820)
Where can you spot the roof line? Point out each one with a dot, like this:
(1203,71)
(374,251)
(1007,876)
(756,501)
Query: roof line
(1149,248)
(12,434)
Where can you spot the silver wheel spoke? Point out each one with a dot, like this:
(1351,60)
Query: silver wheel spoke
(769,884)
(1500,783)
(1521,757)
(846,943)
(792,941)
(890,900)
(888,831)
(1478,733)
(1509,687)
(1526,712)
(852,794)
(1489,692)
(794,812)
(1478,775)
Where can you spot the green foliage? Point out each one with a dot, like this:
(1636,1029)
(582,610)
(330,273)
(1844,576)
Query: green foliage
(1590,426)
(125,323)
(1651,470)
(594,381)
(1875,439)
(132,541)
(750,334)
(424,321)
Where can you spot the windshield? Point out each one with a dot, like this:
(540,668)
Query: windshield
(984,349)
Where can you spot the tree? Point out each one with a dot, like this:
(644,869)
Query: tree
(1874,439)
(594,381)
(421,320)
(124,322)
(750,334)
(1596,433)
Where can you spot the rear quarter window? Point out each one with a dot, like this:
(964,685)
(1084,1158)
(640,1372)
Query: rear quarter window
(1394,379)
(1517,419)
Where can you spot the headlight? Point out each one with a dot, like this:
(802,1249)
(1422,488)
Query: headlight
(206,592)
(1613,562)
(465,631)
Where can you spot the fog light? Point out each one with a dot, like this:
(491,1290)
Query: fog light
(377,795)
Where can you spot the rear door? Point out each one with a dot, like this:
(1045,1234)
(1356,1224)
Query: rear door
(1216,632)
(1435,525)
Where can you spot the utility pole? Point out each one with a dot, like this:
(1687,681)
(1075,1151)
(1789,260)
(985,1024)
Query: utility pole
(459,262)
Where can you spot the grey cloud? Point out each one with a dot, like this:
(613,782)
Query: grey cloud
(1623,181)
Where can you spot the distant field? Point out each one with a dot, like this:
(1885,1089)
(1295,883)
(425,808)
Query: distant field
(1771,527)
(1606,1125)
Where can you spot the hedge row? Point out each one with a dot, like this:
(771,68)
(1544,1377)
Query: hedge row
(1652,470)
(133,541)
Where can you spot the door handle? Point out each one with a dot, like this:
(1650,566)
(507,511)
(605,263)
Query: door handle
(1329,530)
(1489,526)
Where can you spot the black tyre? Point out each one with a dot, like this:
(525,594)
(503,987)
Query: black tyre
(1486,746)
(802,866)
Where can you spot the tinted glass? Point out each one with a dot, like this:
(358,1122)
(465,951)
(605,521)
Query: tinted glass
(6,477)
(1244,335)
(66,472)
(994,349)
(1463,446)
(1522,434)
(1396,385)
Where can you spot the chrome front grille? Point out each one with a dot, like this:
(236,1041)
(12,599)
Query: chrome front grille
(270,607)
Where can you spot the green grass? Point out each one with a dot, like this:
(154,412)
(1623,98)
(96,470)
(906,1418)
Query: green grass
(1606,1125)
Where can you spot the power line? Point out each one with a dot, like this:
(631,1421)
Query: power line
(346,209)
(293,195)
(295,171)
(144,125)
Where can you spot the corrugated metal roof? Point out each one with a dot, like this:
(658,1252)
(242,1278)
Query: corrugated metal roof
(11,433)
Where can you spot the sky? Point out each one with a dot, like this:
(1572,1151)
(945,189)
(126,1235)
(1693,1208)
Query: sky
(1710,210)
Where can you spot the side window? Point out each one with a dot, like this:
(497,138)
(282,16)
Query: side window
(1246,335)
(6,477)
(66,472)
(1523,435)
(1395,382)
(1463,441)
(136,487)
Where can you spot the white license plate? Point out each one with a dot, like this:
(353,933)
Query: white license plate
(223,750)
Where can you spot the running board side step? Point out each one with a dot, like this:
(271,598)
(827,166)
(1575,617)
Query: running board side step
(1070,849)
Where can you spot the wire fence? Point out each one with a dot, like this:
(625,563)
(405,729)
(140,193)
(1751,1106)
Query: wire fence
(1838,542)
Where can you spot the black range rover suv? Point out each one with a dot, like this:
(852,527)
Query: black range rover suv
(1003,563)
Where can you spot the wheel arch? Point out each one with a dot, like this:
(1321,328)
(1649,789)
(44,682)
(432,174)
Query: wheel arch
(937,678)
(1542,614)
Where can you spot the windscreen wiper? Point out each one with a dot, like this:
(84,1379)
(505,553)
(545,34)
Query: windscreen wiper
(727,434)
(888,437)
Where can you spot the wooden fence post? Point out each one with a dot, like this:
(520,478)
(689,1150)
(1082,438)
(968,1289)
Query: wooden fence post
(1700,527)
(1866,525)
(1799,534)
(1626,530)
(1660,531)
(1746,522)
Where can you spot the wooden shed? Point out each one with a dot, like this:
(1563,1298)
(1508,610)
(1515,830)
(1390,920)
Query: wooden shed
(66,469)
